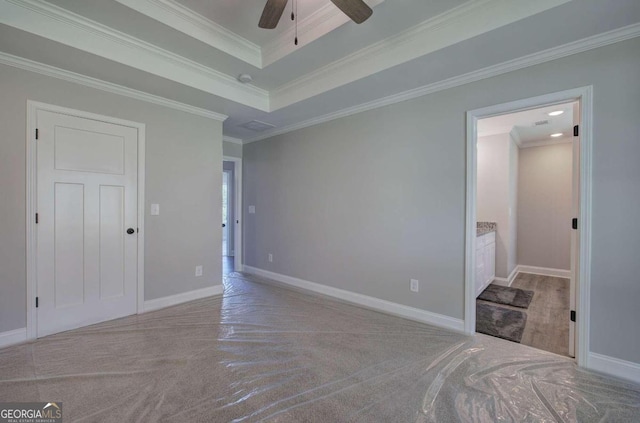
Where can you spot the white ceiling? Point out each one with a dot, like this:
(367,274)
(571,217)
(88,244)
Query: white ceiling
(191,52)
(532,127)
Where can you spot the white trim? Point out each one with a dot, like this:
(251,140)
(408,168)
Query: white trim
(31,165)
(233,140)
(141,212)
(604,39)
(237,209)
(377,304)
(544,271)
(508,280)
(623,369)
(515,135)
(460,23)
(544,143)
(41,68)
(310,28)
(12,337)
(585,96)
(58,24)
(183,19)
(183,297)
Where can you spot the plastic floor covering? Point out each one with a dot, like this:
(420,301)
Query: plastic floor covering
(264,353)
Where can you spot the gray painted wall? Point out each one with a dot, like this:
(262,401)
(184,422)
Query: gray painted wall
(231,149)
(497,175)
(366,202)
(183,175)
(544,206)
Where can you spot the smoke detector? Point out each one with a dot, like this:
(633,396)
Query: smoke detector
(245,78)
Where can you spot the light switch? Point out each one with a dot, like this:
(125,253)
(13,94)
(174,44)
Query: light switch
(155,209)
(252,209)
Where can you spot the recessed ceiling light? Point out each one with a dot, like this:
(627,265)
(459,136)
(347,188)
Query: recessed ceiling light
(245,78)
(556,135)
(556,113)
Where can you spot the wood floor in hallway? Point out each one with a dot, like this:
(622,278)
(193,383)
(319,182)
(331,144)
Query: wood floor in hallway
(547,325)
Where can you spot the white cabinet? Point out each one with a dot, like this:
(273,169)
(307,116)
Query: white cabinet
(485,261)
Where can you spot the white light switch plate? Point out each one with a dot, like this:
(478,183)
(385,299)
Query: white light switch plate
(252,209)
(155,209)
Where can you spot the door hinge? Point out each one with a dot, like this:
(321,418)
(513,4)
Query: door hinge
(36,133)
(576,130)
(36,302)
(37,219)
(574,223)
(573,315)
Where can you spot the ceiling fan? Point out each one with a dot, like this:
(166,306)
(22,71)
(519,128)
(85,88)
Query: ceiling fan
(357,10)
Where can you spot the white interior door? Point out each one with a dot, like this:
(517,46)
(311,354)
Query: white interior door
(575,234)
(87,174)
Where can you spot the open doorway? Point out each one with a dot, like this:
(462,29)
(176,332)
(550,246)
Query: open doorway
(524,206)
(526,193)
(231,207)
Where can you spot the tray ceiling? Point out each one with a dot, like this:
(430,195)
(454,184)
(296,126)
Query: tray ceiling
(191,51)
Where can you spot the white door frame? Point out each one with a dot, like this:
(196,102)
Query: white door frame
(585,96)
(237,211)
(32,110)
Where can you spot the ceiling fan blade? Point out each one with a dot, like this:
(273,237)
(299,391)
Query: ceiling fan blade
(357,10)
(271,13)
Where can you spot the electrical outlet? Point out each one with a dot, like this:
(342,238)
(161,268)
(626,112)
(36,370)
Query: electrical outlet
(198,270)
(415,285)
(270,258)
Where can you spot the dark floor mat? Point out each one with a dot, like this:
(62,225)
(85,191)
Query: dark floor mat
(505,295)
(500,321)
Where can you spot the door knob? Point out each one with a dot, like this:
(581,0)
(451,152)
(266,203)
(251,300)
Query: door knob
(130,231)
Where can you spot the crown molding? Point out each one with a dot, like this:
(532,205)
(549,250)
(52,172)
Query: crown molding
(183,19)
(543,143)
(515,135)
(41,68)
(466,21)
(589,43)
(310,28)
(58,24)
(226,138)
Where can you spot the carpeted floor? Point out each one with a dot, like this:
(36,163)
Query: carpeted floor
(263,353)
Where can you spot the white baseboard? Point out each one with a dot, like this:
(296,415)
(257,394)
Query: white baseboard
(12,337)
(183,297)
(364,300)
(614,366)
(506,281)
(544,271)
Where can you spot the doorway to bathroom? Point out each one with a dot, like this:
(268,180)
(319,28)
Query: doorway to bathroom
(527,221)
